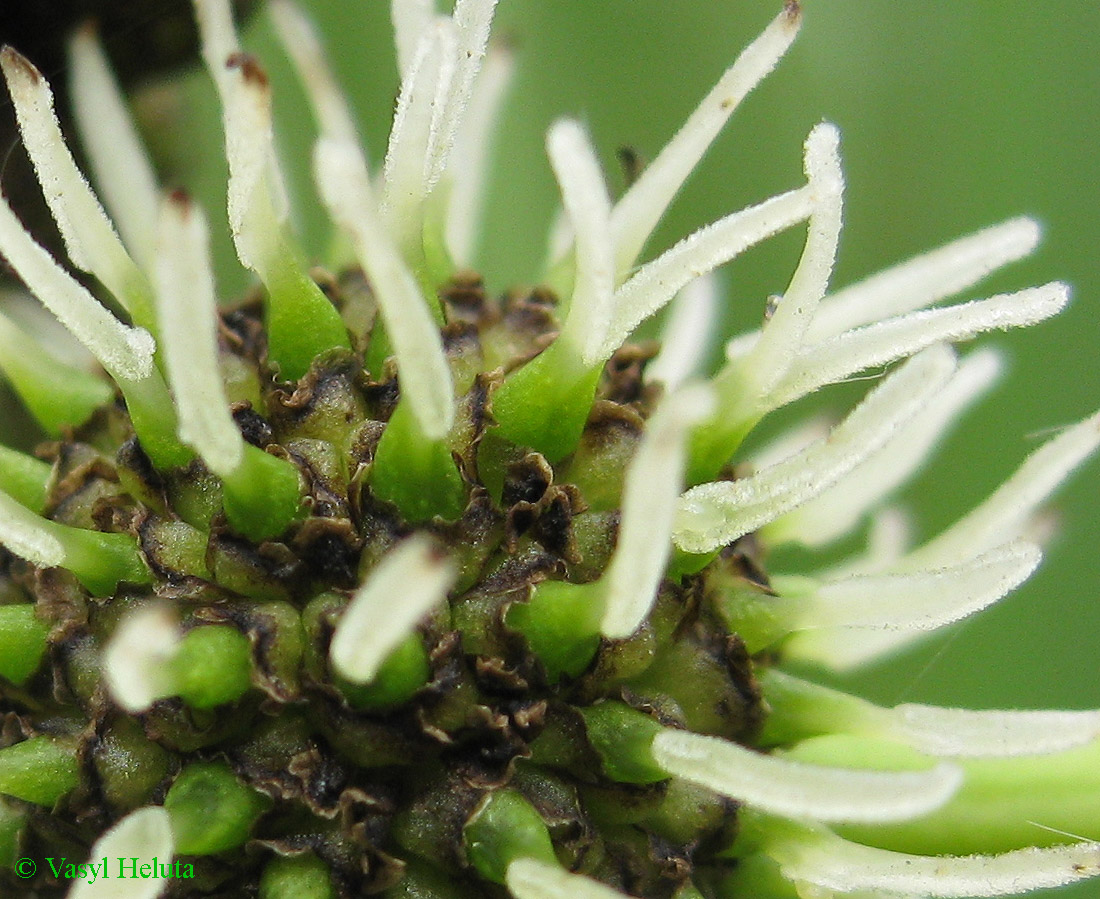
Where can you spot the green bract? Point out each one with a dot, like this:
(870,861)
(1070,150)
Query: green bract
(374,584)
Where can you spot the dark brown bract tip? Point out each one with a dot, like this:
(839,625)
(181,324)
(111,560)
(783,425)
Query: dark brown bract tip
(12,57)
(793,10)
(250,67)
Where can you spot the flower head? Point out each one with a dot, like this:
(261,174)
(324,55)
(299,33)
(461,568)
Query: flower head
(374,584)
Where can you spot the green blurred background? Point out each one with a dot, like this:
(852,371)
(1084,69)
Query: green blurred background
(953,116)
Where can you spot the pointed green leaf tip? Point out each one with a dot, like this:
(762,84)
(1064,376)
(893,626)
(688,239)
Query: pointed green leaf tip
(39,770)
(415,473)
(261,496)
(54,393)
(301,322)
(211,810)
(22,642)
(545,404)
(297,877)
(505,828)
(213,666)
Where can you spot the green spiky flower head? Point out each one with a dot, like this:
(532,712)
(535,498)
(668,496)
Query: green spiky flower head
(372,583)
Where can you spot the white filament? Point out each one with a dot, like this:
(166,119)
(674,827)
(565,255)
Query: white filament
(584,194)
(830,863)
(527,878)
(144,835)
(136,663)
(799,790)
(344,184)
(642,206)
(659,281)
(926,279)
(126,353)
(302,45)
(187,311)
(90,238)
(689,332)
(712,515)
(783,336)
(654,479)
(407,584)
(120,165)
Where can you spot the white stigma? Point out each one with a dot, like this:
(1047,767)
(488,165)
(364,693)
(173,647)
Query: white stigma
(584,195)
(187,310)
(302,45)
(344,183)
(925,279)
(841,508)
(783,336)
(527,878)
(712,515)
(119,162)
(90,238)
(641,207)
(136,661)
(654,479)
(831,863)
(145,835)
(407,584)
(126,353)
(28,535)
(688,334)
(800,790)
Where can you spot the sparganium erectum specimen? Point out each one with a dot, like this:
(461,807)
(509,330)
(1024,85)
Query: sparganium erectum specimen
(374,584)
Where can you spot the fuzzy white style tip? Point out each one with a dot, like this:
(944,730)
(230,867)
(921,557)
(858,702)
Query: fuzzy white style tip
(1006,514)
(187,311)
(344,184)
(830,863)
(120,165)
(784,334)
(993,733)
(588,206)
(407,584)
(641,207)
(27,535)
(841,508)
(126,353)
(925,279)
(89,236)
(303,46)
(651,490)
(799,790)
(712,515)
(136,661)
(688,333)
(527,878)
(145,835)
